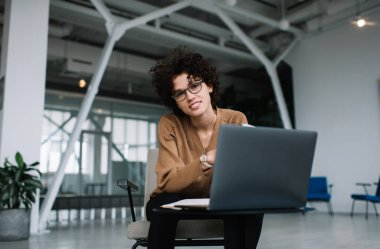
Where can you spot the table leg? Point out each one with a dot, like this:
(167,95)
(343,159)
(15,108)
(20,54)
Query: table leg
(252,230)
(242,231)
(233,236)
(162,231)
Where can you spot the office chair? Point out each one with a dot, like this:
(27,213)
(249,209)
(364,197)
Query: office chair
(189,232)
(320,191)
(366,197)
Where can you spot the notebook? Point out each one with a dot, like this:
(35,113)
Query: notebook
(258,168)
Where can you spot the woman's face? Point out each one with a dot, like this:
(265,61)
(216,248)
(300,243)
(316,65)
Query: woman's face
(192,95)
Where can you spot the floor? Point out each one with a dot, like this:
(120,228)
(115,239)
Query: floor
(286,231)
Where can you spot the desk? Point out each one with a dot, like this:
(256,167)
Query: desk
(237,224)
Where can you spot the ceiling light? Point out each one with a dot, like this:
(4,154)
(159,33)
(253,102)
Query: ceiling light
(82,83)
(361,22)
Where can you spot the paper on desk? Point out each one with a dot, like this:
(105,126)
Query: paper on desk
(247,125)
(189,203)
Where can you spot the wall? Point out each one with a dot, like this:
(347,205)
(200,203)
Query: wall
(336,90)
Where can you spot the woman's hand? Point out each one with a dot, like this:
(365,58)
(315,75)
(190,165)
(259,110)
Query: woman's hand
(210,161)
(211,156)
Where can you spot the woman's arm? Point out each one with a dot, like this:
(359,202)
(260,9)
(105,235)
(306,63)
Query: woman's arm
(173,175)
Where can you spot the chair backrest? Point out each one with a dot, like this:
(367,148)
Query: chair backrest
(150,177)
(318,184)
(378,188)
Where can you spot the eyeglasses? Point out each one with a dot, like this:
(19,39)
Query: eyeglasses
(194,88)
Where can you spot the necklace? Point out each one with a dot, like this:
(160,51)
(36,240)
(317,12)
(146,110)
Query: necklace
(206,165)
(206,140)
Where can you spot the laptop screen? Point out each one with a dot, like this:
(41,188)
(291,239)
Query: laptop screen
(261,168)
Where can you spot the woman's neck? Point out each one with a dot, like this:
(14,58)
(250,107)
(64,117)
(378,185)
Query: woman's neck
(204,127)
(204,123)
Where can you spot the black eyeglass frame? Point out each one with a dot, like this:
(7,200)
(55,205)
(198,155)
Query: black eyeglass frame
(183,91)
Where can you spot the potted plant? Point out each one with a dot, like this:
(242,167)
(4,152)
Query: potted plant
(18,186)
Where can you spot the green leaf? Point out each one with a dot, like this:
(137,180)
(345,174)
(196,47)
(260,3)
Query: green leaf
(30,196)
(13,169)
(17,176)
(11,190)
(34,164)
(7,163)
(16,203)
(34,183)
(18,183)
(3,189)
(27,204)
(19,159)
(33,170)
(5,196)
(3,180)
(3,172)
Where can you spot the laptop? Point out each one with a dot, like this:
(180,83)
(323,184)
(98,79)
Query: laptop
(258,168)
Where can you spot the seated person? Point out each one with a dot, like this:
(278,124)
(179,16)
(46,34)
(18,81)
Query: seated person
(188,85)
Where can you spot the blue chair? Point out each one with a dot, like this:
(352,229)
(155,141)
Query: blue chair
(366,197)
(320,191)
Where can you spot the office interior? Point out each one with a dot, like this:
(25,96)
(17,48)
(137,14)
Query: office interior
(306,65)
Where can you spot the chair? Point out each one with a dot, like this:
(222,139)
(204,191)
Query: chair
(320,191)
(366,197)
(189,232)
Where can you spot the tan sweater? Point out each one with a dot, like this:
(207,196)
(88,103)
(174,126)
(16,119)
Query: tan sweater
(178,167)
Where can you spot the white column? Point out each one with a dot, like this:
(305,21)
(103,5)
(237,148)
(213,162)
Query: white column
(23,67)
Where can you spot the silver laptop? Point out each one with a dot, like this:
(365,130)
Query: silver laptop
(259,168)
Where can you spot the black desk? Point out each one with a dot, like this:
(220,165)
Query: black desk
(233,222)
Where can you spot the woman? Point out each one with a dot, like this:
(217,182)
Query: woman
(188,85)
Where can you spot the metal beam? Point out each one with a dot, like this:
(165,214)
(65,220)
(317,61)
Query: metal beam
(269,66)
(113,145)
(59,127)
(245,57)
(111,21)
(117,31)
(174,37)
(282,54)
(257,17)
(85,108)
(154,15)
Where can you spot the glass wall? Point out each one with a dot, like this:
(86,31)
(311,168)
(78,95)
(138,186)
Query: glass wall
(113,144)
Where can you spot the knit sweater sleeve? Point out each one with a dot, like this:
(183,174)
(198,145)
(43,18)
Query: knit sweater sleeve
(173,174)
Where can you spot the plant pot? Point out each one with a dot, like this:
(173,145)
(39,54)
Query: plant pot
(14,224)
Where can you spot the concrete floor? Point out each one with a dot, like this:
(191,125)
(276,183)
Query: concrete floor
(286,231)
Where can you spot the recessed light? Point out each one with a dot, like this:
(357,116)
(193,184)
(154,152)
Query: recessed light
(82,83)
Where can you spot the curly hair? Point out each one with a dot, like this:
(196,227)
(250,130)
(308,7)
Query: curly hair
(182,60)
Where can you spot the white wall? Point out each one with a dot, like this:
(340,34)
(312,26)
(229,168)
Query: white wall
(336,93)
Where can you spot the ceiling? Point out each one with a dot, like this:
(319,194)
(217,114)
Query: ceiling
(77,34)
